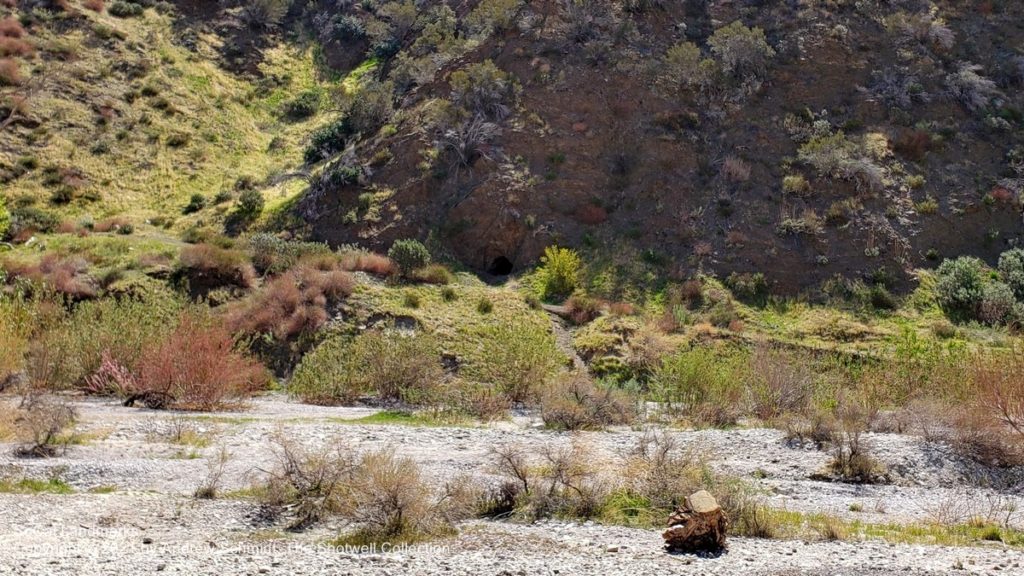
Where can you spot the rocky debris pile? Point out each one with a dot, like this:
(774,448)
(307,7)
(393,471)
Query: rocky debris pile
(699,525)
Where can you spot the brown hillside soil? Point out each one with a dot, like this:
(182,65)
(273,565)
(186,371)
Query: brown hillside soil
(597,155)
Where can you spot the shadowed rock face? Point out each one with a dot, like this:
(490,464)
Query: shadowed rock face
(600,152)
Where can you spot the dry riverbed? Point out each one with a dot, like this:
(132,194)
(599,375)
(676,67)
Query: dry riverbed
(132,473)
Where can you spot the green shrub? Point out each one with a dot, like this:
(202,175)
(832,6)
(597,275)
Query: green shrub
(704,385)
(997,304)
(516,358)
(795,184)
(410,255)
(302,106)
(273,255)
(1011,267)
(395,366)
(5,219)
(483,89)
(123,9)
(328,375)
(264,13)
(747,286)
(196,203)
(250,205)
(742,52)
(559,274)
(67,355)
(960,286)
(329,140)
(484,305)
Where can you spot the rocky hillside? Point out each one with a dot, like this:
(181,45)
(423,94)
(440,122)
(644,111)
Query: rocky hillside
(798,139)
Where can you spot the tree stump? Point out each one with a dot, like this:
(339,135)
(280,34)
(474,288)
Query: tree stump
(699,525)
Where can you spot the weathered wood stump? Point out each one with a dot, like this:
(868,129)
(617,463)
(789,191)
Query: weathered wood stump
(699,525)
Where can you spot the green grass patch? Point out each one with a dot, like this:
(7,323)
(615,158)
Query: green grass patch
(35,486)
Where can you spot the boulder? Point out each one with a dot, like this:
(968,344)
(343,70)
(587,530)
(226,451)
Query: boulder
(699,525)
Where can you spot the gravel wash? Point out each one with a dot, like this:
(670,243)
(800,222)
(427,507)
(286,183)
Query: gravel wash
(148,523)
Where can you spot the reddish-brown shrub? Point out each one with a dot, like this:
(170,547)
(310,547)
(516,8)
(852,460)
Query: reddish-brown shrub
(197,367)
(10,72)
(94,5)
(11,28)
(1001,195)
(376,264)
(15,47)
(207,267)
(913,144)
(291,304)
(67,227)
(591,214)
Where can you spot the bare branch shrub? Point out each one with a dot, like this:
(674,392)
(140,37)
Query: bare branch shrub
(41,421)
(575,402)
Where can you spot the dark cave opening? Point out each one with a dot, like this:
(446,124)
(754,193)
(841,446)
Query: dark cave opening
(501,266)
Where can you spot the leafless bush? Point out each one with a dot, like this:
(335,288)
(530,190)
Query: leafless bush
(817,428)
(583,19)
(565,480)
(41,421)
(970,88)
(898,88)
(214,472)
(782,383)
(384,496)
(663,472)
(575,402)
(390,499)
(851,458)
(306,484)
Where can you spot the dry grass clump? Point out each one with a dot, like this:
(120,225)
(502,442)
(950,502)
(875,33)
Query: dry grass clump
(384,497)
(292,304)
(575,402)
(196,367)
(207,267)
(376,264)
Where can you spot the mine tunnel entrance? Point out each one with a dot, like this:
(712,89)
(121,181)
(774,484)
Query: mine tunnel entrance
(501,266)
